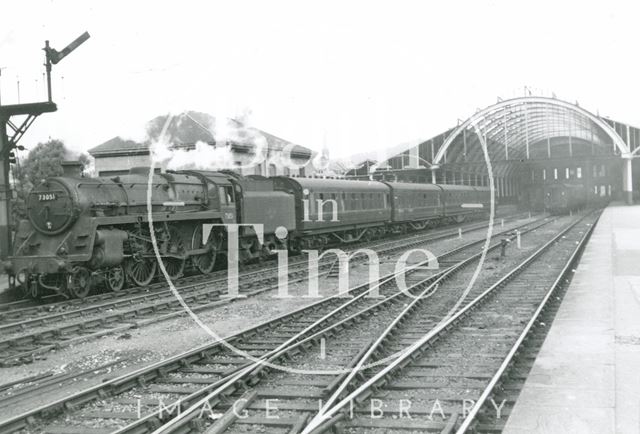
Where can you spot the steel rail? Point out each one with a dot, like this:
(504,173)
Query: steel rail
(432,283)
(113,386)
(470,418)
(331,416)
(252,370)
(101,390)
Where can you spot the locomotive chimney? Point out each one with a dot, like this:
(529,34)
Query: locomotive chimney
(72,168)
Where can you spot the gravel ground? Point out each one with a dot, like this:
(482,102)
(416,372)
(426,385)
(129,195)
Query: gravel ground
(140,347)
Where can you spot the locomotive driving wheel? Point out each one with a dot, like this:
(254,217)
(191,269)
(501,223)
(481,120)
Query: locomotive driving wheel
(141,266)
(204,262)
(114,278)
(175,258)
(141,270)
(79,283)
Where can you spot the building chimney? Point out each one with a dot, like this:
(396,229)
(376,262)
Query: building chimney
(72,169)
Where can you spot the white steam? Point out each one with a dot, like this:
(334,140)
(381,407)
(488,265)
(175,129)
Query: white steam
(206,156)
(203,157)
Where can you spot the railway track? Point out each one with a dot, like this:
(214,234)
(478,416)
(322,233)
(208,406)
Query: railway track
(511,380)
(449,371)
(191,376)
(296,394)
(25,339)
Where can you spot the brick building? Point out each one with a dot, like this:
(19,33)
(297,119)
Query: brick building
(237,142)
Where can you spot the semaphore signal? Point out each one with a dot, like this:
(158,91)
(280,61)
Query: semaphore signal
(8,144)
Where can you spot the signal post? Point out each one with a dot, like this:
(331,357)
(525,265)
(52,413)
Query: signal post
(11,131)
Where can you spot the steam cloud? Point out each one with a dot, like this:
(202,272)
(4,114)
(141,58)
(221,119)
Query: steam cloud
(206,156)
(203,157)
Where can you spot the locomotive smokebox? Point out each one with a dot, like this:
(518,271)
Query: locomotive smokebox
(72,169)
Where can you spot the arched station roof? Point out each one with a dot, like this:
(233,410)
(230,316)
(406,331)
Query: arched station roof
(515,129)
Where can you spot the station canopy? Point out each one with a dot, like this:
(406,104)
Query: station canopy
(526,128)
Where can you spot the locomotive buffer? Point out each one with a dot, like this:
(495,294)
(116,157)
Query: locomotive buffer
(8,144)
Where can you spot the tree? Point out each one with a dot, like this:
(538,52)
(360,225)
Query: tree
(42,162)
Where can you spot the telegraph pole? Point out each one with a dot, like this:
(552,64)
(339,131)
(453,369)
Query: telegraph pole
(9,143)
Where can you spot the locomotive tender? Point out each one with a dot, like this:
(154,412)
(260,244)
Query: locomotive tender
(84,232)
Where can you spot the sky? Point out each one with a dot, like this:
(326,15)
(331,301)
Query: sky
(348,76)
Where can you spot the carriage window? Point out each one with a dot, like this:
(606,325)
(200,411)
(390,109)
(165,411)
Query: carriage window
(332,196)
(566,173)
(312,203)
(579,172)
(223,196)
(609,190)
(555,173)
(544,174)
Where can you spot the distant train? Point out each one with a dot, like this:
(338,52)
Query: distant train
(87,232)
(565,198)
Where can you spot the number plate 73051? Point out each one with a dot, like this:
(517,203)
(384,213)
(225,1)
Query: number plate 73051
(42,197)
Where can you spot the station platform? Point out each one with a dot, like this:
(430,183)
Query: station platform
(586,378)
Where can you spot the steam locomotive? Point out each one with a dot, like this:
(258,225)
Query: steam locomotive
(83,233)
